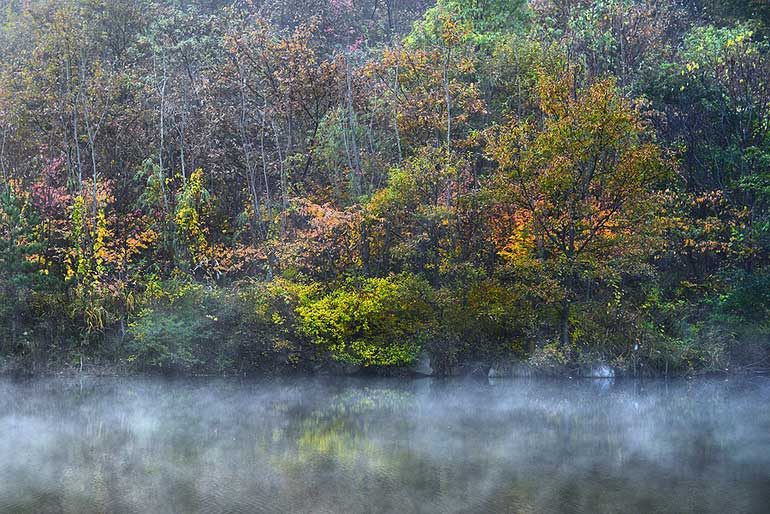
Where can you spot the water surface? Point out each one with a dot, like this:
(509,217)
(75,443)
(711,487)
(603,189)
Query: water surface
(369,446)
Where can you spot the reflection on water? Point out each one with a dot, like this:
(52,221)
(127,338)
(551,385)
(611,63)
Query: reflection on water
(364,446)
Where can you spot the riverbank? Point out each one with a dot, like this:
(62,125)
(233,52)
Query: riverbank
(397,325)
(421,368)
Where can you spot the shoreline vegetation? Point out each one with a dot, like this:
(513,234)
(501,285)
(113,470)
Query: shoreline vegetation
(16,368)
(576,188)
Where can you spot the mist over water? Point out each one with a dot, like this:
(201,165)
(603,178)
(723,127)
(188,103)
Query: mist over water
(370,446)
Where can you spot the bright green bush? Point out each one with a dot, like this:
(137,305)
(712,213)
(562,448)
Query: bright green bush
(371,322)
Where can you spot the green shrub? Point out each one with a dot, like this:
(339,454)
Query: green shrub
(181,328)
(268,320)
(550,357)
(372,322)
(701,351)
(492,318)
(745,306)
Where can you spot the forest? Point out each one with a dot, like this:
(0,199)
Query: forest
(276,186)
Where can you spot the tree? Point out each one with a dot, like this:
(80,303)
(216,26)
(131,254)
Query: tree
(716,98)
(580,181)
(487,21)
(418,213)
(431,80)
(17,266)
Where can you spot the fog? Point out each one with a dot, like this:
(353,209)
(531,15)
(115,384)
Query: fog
(380,446)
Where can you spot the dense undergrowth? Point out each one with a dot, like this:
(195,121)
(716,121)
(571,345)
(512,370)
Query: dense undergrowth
(383,325)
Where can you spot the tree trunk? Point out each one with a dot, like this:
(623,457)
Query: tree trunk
(258,231)
(395,106)
(352,123)
(448,99)
(565,337)
(268,199)
(6,183)
(92,147)
(284,184)
(365,251)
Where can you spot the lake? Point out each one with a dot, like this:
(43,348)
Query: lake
(304,445)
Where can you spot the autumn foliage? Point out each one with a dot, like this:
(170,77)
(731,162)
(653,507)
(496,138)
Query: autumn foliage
(239,187)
